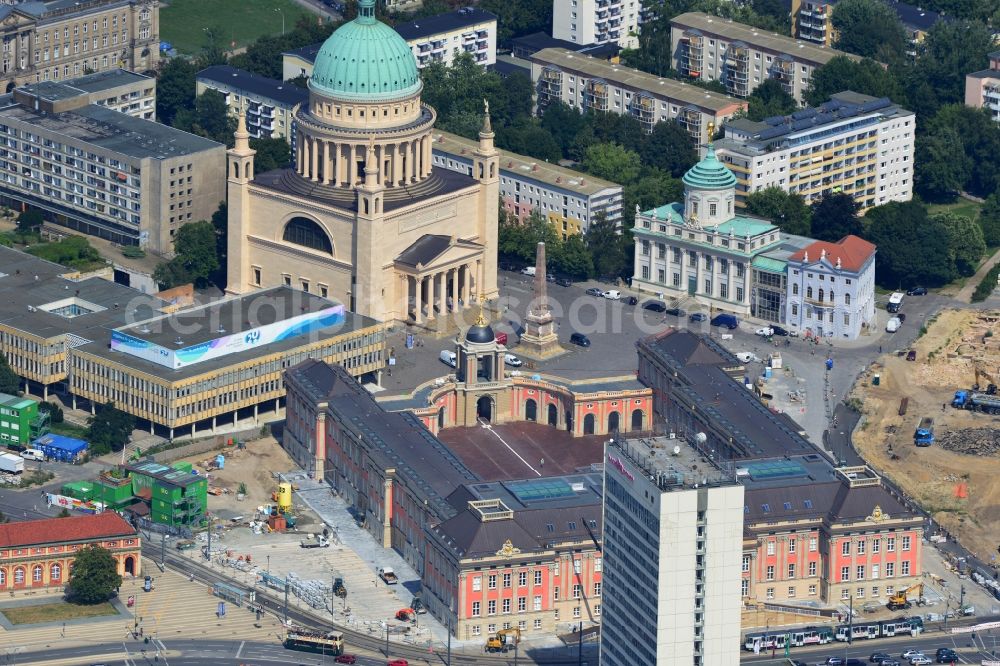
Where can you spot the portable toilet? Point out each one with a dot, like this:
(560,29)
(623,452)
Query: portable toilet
(284,498)
(220,461)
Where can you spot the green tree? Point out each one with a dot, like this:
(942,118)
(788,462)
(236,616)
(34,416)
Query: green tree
(950,50)
(563,124)
(653,188)
(866,77)
(973,133)
(573,258)
(612,162)
(54,411)
(912,248)
(195,257)
(942,166)
(653,53)
(220,222)
(94,577)
(769,99)
(526,137)
(623,129)
(835,216)
(669,149)
(72,252)
(109,429)
(612,259)
(870,28)
(10,382)
(965,242)
(989,220)
(517,19)
(175,86)
(789,211)
(271,154)
(210,119)
(30,221)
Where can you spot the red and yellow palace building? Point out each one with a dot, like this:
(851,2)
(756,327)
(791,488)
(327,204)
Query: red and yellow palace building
(39,553)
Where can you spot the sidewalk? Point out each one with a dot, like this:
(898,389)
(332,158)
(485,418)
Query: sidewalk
(965,293)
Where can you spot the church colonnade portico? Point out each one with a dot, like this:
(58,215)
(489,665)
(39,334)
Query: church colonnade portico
(329,161)
(431,293)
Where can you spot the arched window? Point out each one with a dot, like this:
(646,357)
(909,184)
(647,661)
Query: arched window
(809,292)
(820,295)
(36,573)
(833,297)
(3,577)
(56,572)
(305,232)
(19,576)
(847,299)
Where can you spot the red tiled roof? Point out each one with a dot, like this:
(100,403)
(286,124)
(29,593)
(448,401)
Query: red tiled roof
(59,530)
(852,251)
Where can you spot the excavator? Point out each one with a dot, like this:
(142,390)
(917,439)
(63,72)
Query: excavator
(900,600)
(981,375)
(504,640)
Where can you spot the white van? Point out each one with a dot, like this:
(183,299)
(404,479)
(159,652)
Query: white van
(33,454)
(892,325)
(528,270)
(449,358)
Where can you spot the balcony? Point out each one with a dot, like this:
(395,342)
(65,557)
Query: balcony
(644,109)
(595,96)
(692,55)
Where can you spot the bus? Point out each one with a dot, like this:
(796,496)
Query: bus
(331,643)
(776,638)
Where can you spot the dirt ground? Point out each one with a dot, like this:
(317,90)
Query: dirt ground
(962,492)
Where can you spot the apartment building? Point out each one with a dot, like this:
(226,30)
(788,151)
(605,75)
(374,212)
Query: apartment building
(673,525)
(568,199)
(116,89)
(269,105)
(587,83)
(982,88)
(853,143)
(104,173)
(597,21)
(812,20)
(742,57)
(62,39)
(443,37)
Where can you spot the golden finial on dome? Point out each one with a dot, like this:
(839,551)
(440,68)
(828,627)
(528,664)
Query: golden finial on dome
(481,320)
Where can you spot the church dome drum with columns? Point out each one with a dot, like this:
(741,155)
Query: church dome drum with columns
(362,215)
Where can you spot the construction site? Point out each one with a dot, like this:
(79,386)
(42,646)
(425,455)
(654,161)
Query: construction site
(931,423)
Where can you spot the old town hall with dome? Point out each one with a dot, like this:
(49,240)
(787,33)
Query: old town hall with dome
(363,216)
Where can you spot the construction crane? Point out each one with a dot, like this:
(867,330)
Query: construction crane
(900,600)
(504,640)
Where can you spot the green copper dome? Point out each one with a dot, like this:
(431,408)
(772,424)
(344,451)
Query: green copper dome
(365,60)
(709,174)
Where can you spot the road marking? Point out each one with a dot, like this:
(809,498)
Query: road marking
(238,651)
(495,434)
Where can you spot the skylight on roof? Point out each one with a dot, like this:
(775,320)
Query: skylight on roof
(808,503)
(788,506)
(766,508)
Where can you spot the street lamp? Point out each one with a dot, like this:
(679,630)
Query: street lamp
(281,11)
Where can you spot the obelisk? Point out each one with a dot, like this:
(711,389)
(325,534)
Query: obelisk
(540,340)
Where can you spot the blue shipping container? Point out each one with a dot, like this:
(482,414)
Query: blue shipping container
(59,447)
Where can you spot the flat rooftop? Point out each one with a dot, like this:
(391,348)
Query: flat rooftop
(164,473)
(672,463)
(283,92)
(520,166)
(84,85)
(113,131)
(523,450)
(770,41)
(446,22)
(550,492)
(670,89)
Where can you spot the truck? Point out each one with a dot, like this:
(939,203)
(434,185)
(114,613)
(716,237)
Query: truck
(980,402)
(924,434)
(387,575)
(895,301)
(11,463)
(315,541)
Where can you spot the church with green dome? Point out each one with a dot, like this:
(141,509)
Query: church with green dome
(363,216)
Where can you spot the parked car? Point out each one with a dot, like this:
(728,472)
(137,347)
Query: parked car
(580,339)
(901,317)
(563,281)
(764,332)
(920,660)
(777,330)
(675,312)
(631,300)
(698,316)
(654,306)
(612,294)
(398,662)
(879,657)
(946,656)
(834,661)
(911,355)
(346,659)
(528,270)
(910,653)
(892,325)
(448,358)
(594,291)
(916,291)
(726,320)
(512,360)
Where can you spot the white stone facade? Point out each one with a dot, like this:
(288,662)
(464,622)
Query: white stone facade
(597,21)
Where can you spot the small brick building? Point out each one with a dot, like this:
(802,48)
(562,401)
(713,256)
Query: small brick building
(40,553)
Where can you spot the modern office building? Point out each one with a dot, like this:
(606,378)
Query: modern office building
(105,173)
(364,210)
(673,539)
(432,39)
(20,422)
(742,57)
(701,249)
(813,533)
(58,40)
(269,105)
(587,83)
(96,341)
(568,199)
(831,288)
(443,37)
(854,144)
(117,89)
(597,21)
(982,88)
(37,554)
(812,20)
